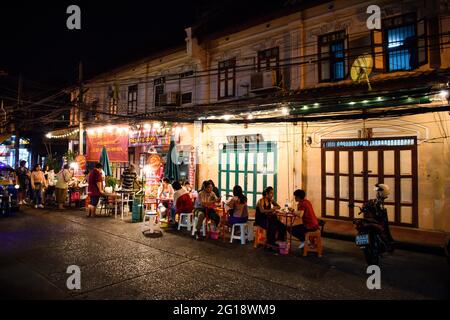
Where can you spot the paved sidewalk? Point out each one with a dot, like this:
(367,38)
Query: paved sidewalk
(118,262)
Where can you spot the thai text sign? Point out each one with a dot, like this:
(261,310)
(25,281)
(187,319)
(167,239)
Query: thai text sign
(116,143)
(145,138)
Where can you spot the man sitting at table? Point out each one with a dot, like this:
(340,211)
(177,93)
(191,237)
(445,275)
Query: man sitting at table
(206,201)
(182,202)
(309,219)
(266,218)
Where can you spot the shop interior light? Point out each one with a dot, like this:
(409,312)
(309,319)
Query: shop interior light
(147,126)
(443,94)
(74,165)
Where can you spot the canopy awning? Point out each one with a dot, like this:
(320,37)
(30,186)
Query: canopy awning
(4,137)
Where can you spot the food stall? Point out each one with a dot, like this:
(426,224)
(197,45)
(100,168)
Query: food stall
(8,190)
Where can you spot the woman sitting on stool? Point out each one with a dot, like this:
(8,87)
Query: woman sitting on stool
(237,207)
(267,219)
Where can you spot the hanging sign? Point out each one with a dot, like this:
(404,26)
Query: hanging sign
(146,138)
(115,141)
(192,166)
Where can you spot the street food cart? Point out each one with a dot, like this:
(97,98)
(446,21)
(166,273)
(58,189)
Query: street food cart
(8,190)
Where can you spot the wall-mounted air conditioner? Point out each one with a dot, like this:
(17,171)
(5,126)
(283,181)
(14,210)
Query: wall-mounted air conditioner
(170,99)
(264,80)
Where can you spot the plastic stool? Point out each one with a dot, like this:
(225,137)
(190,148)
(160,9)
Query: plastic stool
(194,226)
(250,233)
(242,236)
(260,237)
(188,223)
(313,243)
(153,225)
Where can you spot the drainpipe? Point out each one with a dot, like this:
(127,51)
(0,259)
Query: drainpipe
(304,176)
(302,54)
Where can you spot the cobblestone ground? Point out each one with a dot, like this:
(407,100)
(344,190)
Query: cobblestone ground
(118,262)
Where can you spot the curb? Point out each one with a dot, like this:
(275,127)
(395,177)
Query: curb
(408,246)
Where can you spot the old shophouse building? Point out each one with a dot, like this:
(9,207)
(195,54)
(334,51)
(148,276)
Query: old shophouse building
(272,102)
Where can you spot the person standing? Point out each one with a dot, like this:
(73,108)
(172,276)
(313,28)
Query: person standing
(129,181)
(62,185)
(38,183)
(129,178)
(22,177)
(50,182)
(95,188)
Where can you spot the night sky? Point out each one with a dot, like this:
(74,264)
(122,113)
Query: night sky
(36,43)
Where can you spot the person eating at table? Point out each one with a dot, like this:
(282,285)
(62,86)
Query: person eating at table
(182,202)
(165,194)
(309,219)
(206,203)
(266,218)
(192,193)
(237,207)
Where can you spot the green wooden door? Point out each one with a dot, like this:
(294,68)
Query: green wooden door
(253,166)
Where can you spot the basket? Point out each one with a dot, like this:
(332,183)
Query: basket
(214,235)
(284,248)
(164,224)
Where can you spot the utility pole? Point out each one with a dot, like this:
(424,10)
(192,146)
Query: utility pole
(16,124)
(80,104)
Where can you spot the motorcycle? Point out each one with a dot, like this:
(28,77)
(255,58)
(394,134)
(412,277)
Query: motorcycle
(374,236)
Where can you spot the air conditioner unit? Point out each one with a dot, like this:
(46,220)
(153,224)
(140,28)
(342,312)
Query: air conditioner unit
(264,80)
(169,99)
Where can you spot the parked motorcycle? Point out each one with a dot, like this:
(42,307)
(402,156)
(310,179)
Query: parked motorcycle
(374,236)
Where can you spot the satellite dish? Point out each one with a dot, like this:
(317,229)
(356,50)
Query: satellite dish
(361,69)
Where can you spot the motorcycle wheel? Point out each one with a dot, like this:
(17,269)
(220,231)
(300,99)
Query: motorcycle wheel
(371,257)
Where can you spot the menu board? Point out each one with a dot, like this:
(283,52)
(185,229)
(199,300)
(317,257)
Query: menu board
(153,171)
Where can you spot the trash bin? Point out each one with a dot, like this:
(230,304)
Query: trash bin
(138,209)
